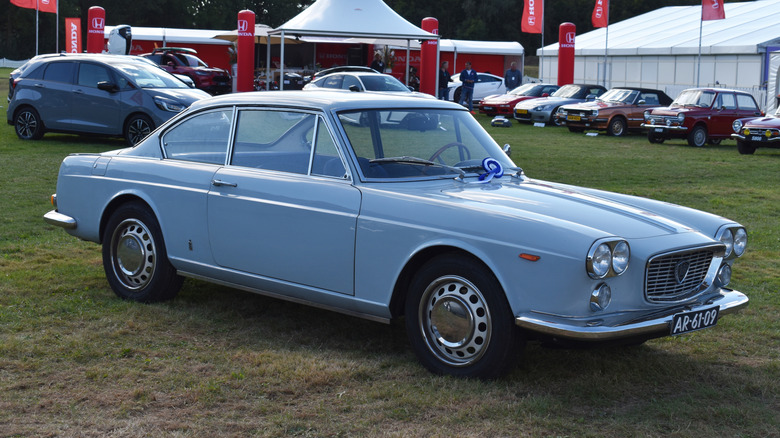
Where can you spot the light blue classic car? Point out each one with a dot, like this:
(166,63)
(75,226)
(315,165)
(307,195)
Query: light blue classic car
(389,206)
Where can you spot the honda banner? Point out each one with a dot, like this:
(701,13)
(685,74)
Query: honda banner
(600,16)
(245,48)
(712,10)
(567,33)
(533,13)
(73,35)
(96,28)
(428,69)
(41,5)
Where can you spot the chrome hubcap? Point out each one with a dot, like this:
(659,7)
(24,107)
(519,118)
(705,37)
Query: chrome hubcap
(133,253)
(138,130)
(26,124)
(455,320)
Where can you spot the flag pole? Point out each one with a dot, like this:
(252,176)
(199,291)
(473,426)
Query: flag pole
(57,30)
(36,26)
(698,59)
(541,58)
(606,47)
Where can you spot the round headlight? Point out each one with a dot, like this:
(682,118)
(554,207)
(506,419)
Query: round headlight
(600,297)
(746,132)
(620,256)
(740,242)
(724,275)
(600,261)
(680,117)
(737,125)
(728,239)
(595,113)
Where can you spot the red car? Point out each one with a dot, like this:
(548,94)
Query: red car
(759,132)
(504,104)
(700,115)
(183,61)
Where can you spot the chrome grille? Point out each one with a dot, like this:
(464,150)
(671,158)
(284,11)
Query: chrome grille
(677,276)
(762,131)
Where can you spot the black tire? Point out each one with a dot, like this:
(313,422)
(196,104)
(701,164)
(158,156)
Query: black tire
(745,147)
(134,256)
(460,296)
(653,138)
(553,120)
(698,136)
(576,130)
(456,96)
(28,124)
(714,141)
(617,127)
(137,128)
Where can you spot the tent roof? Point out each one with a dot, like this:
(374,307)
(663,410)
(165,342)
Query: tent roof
(468,46)
(170,35)
(352,18)
(674,30)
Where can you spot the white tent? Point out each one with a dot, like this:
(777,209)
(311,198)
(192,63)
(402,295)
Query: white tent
(660,49)
(369,21)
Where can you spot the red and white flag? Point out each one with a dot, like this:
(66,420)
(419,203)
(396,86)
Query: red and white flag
(712,10)
(41,5)
(532,16)
(600,16)
(73,35)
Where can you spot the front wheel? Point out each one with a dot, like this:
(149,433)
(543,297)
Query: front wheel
(458,320)
(137,128)
(617,127)
(134,256)
(698,136)
(745,147)
(653,138)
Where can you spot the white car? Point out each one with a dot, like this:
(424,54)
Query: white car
(487,84)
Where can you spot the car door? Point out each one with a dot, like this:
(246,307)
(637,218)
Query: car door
(724,112)
(98,110)
(283,209)
(56,91)
(487,85)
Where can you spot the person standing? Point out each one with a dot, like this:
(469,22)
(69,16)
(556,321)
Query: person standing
(444,79)
(378,64)
(512,78)
(468,78)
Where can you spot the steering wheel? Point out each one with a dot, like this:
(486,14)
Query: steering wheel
(464,151)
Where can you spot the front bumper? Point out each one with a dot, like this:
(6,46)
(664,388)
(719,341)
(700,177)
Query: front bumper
(665,128)
(60,220)
(774,141)
(623,326)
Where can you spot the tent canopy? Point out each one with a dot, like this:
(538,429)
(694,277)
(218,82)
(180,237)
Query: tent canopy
(261,36)
(674,30)
(352,18)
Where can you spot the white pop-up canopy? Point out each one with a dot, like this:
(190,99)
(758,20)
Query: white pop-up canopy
(369,21)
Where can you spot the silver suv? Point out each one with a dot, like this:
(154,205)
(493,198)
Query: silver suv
(114,95)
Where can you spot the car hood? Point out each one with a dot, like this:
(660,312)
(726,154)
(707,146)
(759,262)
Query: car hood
(184,95)
(528,104)
(598,104)
(762,122)
(499,99)
(674,110)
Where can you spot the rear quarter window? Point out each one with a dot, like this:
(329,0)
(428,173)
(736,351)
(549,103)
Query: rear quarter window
(60,72)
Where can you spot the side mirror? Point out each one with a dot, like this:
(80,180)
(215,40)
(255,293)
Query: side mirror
(590,97)
(107,86)
(642,102)
(507,149)
(545,94)
(354,88)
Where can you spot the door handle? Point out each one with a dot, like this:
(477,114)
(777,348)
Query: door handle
(220,183)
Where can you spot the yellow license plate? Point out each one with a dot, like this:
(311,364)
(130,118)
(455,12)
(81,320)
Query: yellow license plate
(521,111)
(573,118)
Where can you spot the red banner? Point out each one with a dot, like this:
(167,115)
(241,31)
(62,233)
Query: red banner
(428,70)
(245,48)
(96,29)
(600,16)
(533,12)
(41,5)
(73,35)
(712,10)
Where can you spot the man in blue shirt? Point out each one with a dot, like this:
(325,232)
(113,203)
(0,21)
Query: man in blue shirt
(468,78)
(512,78)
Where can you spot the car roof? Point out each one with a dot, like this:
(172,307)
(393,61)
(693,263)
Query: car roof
(717,90)
(325,100)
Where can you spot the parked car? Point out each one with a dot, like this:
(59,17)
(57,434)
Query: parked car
(504,104)
(113,95)
(341,69)
(541,110)
(362,81)
(700,115)
(184,61)
(487,85)
(383,206)
(757,132)
(617,111)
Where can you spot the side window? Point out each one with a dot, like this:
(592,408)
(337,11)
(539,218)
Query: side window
(350,81)
(202,138)
(326,157)
(91,74)
(332,81)
(727,101)
(746,103)
(273,140)
(60,72)
(649,98)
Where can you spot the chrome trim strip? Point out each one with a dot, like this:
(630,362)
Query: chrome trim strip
(729,301)
(671,128)
(60,220)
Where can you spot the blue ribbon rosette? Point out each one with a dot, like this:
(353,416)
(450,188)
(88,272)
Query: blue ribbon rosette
(492,168)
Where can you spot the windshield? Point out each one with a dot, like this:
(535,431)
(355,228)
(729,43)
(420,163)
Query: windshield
(699,98)
(524,90)
(618,95)
(146,76)
(382,83)
(414,143)
(191,61)
(567,91)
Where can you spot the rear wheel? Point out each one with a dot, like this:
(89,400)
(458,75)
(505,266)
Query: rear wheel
(134,256)
(698,136)
(458,320)
(617,127)
(28,124)
(456,95)
(137,128)
(745,147)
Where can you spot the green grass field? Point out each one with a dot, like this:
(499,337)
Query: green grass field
(77,361)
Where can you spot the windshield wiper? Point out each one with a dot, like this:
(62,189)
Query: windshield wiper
(415,160)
